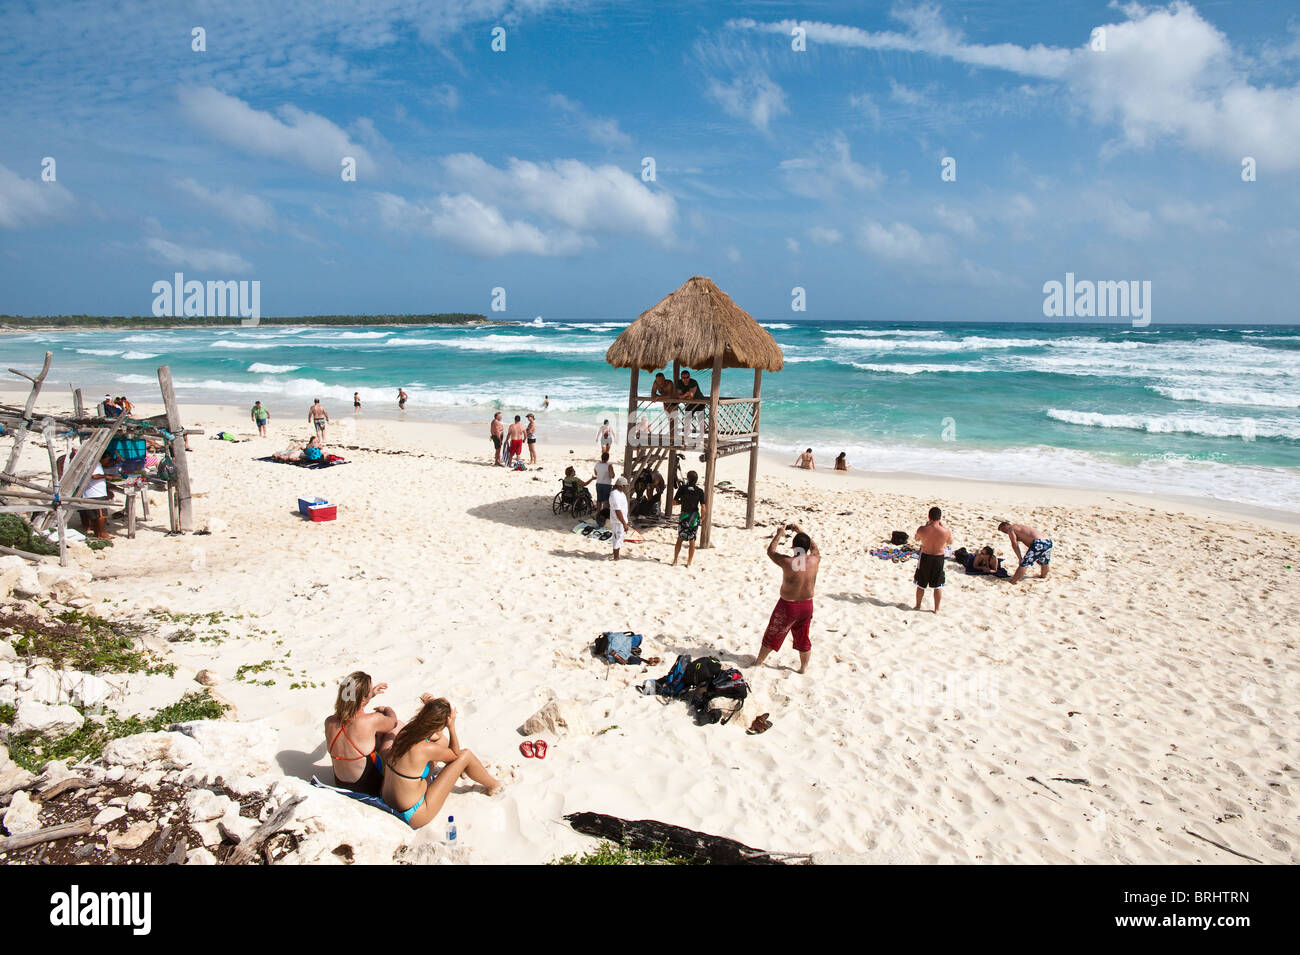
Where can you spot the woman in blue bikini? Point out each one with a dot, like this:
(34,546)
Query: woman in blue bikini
(410,784)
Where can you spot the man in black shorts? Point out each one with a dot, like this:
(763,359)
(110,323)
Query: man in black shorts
(934,538)
(691,497)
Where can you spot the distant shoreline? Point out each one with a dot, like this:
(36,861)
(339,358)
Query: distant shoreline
(94,323)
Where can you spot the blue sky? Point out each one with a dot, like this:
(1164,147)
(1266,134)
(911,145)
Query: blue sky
(774,167)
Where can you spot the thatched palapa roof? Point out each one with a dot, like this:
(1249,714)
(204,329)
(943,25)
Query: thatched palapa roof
(691,326)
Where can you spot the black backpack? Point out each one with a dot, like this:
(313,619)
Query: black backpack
(701,671)
(898,538)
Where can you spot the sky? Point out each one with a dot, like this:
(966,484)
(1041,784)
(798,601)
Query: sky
(609,151)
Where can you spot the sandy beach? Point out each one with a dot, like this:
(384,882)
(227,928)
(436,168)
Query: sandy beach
(1140,701)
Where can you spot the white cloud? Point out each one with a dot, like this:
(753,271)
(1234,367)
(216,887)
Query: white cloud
(295,136)
(956,220)
(570,193)
(603,131)
(753,96)
(827,173)
(824,235)
(1166,73)
(733,255)
(446,96)
(205,260)
(901,243)
(792,245)
(30,202)
(241,208)
(474,226)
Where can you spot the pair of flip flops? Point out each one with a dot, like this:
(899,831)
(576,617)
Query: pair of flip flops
(533,750)
(761,724)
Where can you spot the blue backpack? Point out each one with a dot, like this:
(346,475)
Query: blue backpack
(673,683)
(617,647)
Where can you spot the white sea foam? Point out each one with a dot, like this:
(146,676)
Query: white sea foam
(103,352)
(258,368)
(1246,396)
(139,355)
(251,346)
(919,369)
(1276,488)
(1206,425)
(886,332)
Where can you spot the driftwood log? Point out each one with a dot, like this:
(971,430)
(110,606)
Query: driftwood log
(25,840)
(246,850)
(686,844)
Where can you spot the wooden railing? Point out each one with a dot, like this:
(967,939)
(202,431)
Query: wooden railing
(687,424)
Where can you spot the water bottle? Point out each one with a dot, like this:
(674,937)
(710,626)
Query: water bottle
(451,830)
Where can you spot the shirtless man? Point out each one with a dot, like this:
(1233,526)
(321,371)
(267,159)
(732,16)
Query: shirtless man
(319,417)
(516,438)
(605,436)
(793,612)
(497,433)
(934,537)
(1038,549)
(805,461)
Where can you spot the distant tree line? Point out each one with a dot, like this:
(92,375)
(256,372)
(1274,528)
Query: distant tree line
(153,321)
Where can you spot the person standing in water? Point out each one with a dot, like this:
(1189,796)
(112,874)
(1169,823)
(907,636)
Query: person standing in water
(401,400)
(356,402)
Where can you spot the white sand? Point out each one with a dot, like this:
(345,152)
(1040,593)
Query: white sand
(1155,669)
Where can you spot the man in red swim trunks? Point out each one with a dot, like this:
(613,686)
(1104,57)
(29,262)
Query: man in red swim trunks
(515,436)
(793,612)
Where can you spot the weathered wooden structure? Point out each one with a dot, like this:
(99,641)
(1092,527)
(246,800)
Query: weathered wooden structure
(698,326)
(47,503)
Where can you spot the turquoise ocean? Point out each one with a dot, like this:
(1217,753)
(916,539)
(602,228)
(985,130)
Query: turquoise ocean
(1208,412)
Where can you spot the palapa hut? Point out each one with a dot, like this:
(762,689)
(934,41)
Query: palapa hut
(700,328)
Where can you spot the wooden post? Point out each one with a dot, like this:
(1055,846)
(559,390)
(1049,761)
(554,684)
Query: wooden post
(21,436)
(78,406)
(753,453)
(631,416)
(177,448)
(671,490)
(712,449)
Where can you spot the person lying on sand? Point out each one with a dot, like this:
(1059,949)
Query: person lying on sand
(305,455)
(356,740)
(934,538)
(805,461)
(794,609)
(410,784)
(986,561)
(1038,548)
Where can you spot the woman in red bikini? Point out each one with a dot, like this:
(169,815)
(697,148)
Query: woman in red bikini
(355,739)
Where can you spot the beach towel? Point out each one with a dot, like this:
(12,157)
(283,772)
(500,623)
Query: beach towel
(369,800)
(307,465)
(895,554)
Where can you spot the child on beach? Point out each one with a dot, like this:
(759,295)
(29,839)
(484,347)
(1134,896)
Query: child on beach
(410,784)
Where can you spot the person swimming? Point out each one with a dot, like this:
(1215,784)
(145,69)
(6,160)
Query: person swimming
(410,784)
(354,738)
